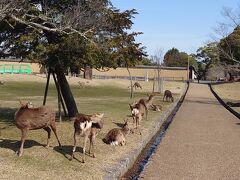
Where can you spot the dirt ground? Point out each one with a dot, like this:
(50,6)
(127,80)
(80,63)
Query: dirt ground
(38,162)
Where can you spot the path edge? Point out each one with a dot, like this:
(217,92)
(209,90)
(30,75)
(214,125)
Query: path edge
(235,113)
(124,164)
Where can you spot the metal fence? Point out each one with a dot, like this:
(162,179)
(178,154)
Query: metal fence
(134,78)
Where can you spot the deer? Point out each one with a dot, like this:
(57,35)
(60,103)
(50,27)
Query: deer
(168,95)
(29,118)
(117,136)
(147,103)
(155,107)
(87,126)
(137,85)
(138,110)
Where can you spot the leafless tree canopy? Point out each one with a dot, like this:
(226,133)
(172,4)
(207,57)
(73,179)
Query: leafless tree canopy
(223,29)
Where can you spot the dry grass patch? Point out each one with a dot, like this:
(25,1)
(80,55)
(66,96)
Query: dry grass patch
(38,162)
(229,92)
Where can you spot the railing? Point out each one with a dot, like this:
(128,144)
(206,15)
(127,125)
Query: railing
(135,78)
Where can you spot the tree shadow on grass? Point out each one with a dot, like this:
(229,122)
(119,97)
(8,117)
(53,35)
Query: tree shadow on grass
(14,145)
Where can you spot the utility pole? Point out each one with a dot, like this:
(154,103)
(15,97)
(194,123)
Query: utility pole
(188,69)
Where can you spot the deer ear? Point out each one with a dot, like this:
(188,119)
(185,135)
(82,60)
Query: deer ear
(21,103)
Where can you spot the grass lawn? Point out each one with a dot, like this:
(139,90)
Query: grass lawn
(229,92)
(110,97)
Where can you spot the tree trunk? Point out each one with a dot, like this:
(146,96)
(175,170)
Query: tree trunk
(66,92)
(131,94)
(87,72)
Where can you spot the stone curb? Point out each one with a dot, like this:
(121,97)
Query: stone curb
(120,168)
(223,103)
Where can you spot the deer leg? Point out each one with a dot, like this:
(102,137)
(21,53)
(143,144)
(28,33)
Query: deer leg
(147,114)
(133,118)
(24,135)
(49,135)
(84,148)
(53,126)
(136,121)
(92,145)
(74,145)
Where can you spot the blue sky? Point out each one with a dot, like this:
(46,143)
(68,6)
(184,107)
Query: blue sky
(184,24)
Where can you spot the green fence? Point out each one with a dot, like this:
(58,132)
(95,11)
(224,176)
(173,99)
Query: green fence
(15,69)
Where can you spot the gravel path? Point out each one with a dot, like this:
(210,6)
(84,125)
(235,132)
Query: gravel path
(203,141)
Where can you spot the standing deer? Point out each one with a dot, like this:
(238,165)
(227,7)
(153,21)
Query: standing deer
(117,136)
(87,126)
(168,95)
(147,103)
(138,111)
(29,118)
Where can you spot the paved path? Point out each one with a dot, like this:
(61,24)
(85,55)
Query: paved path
(203,142)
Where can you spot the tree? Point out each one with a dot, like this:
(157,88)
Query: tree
(230,47)
(158,57)
(174,58)
(147,61)
(228,36)
(208,57)
(60,33)
(128,55)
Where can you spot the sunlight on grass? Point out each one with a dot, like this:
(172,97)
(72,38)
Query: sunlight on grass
(54,162)
(229,92)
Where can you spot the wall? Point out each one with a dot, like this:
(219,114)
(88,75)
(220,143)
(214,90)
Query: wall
(177,74)
(170,73)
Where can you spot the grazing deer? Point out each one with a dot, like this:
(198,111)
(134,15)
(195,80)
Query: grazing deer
(137,85)
(147,103)
(87,126)
(29,118)
(168,95)
(117,136)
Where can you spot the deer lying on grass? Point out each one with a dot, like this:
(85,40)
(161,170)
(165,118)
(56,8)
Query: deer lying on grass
(156,107)
(117,136)
(29,118)
(168,96)
(87,126)
(137,85)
